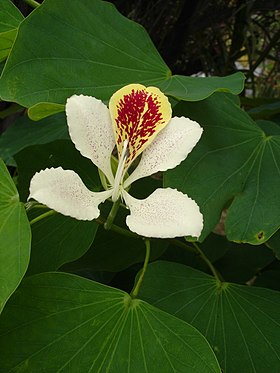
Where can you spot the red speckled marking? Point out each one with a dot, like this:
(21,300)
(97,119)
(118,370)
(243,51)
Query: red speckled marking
(137,120)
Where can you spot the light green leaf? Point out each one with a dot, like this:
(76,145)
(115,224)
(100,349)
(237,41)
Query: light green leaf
(241,323)
(91,50)
(15,237)
(44,109)
(24,132)
(10,18)
(234,161)
(69,324)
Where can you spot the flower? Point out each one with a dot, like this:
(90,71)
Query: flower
(138,121)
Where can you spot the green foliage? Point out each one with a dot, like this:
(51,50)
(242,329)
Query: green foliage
(235,163)
(95,52)
(10,18)
(14,237)
(182,314)
(238,321)
(24,132)
(96,328)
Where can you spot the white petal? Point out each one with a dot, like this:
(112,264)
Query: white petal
(166,213)
(169,148)
(91,130)
(64,192)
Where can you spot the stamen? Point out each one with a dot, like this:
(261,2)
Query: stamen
(119,173)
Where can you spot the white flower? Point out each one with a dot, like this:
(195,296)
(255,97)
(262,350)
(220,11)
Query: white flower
(138,120)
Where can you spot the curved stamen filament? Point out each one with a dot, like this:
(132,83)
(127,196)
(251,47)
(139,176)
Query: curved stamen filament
(119,173)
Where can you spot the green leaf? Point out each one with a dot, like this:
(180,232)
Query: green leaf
(24,132)
(114,252)
(274,244)
(15,237)
(58,153)
(242,262)
(10,18)
(91,50)
(241,323)
(44,109)
(195,89)
(214,247)
(269,279)
(58,239)
(70,324)
(234,161)
(265,111)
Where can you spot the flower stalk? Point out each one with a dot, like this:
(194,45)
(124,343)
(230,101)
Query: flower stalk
(112,214)
(135,290)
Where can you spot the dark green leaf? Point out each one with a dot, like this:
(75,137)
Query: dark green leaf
(274,244)
(242,262)
(15,237)
(92,50)
(269,279)
(58,239)
(114,252)
(235,160)
(241,323)
(265,111)
(64,323)
(59,153)
(24,132)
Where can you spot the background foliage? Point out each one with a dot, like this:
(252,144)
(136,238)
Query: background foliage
(205,306)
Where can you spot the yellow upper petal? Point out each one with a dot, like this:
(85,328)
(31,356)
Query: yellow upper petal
(138,114)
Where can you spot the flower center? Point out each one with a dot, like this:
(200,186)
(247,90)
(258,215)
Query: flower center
(120,172)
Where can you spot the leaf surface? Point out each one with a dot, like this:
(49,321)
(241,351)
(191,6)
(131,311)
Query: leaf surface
(95,328)
(15,237)
(94,51)
(24,132)
(235,163)
(10,18)
(241,323)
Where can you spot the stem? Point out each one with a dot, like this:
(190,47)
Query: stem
(32,3)
(43,216)
(112,214)
(135,290)
(207,261)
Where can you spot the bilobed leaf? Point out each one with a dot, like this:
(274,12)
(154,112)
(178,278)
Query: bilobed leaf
(235,160)
(24,132)
(15,237)
(69,324)
(92,50)
(241,323)
(10,18)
